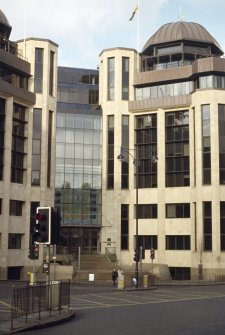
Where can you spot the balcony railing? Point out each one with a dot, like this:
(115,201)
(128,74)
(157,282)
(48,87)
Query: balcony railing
(169,65)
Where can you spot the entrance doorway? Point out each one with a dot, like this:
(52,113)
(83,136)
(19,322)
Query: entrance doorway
(86,238)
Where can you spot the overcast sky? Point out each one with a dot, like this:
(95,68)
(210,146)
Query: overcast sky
(83,28)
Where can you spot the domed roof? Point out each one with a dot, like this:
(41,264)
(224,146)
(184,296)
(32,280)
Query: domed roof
(5,28)
(3,19)
(179,31)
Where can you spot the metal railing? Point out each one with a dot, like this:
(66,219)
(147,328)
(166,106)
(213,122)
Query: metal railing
(38,298)
(110,252)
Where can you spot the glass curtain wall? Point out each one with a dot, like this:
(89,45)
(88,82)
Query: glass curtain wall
(78,149)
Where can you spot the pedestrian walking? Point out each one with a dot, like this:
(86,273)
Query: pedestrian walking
(114,276)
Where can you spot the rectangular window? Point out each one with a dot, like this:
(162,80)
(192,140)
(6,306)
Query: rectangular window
(125,78)
(221,126)
(207,226)
(148,242)
(18,144)
(2,135)
(206,145)
(146,145)
(222,226)
(38,70)
(180,273)
(147,211)
(178,210)
(14,241)
(125,145)
(111,78)
(51,73)
(124,227)
(177,149)
(50,124)
(110,156)
(16,208)
(178,242)
(36,147)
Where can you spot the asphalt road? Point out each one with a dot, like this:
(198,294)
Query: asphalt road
(165,311)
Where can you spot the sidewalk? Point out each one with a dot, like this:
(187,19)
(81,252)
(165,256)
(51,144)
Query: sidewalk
(33,321)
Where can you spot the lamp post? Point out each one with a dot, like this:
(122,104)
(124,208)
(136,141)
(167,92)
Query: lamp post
(136,163)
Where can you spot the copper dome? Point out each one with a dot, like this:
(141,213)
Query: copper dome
(180,31)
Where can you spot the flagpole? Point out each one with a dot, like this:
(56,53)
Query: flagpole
(25,28)
(138,35)
(138,25)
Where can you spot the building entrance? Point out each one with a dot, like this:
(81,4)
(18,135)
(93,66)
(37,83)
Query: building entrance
(85,238)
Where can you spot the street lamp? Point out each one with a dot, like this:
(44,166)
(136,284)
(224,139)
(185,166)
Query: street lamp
(121,157)
(136,162)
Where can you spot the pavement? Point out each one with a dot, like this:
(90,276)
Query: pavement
(33,321)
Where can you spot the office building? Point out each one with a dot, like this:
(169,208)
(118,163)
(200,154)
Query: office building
(164,109)
(28,80)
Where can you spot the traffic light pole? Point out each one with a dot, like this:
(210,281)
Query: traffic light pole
(48,262)
(137,184)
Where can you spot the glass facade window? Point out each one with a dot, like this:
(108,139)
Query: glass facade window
(16,208)
(38,70)
(206,145)
(167,90)
(11,77)
(221,127)
(111,78)
(78,154)
(2,135)
(146,143)
(14,241)
(168,49)
(211,81)
(125,145)
(180,273)
(147,211)
(50,125)
(222,226)
(110,153)
(125,78)
(178,242)
(18,144)
(207,226)
(124,227)
(51,73)
(177,211)
(36,147)
(148,242)
(177,149)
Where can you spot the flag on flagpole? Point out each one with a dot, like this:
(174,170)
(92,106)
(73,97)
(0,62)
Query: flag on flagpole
(133,13)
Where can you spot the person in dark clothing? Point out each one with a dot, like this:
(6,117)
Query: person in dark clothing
(114,276)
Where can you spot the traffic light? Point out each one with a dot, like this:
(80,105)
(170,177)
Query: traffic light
(152,253)
(36,251)
(42,229)
(136,256)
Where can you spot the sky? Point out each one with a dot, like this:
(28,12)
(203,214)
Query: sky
(83,28)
